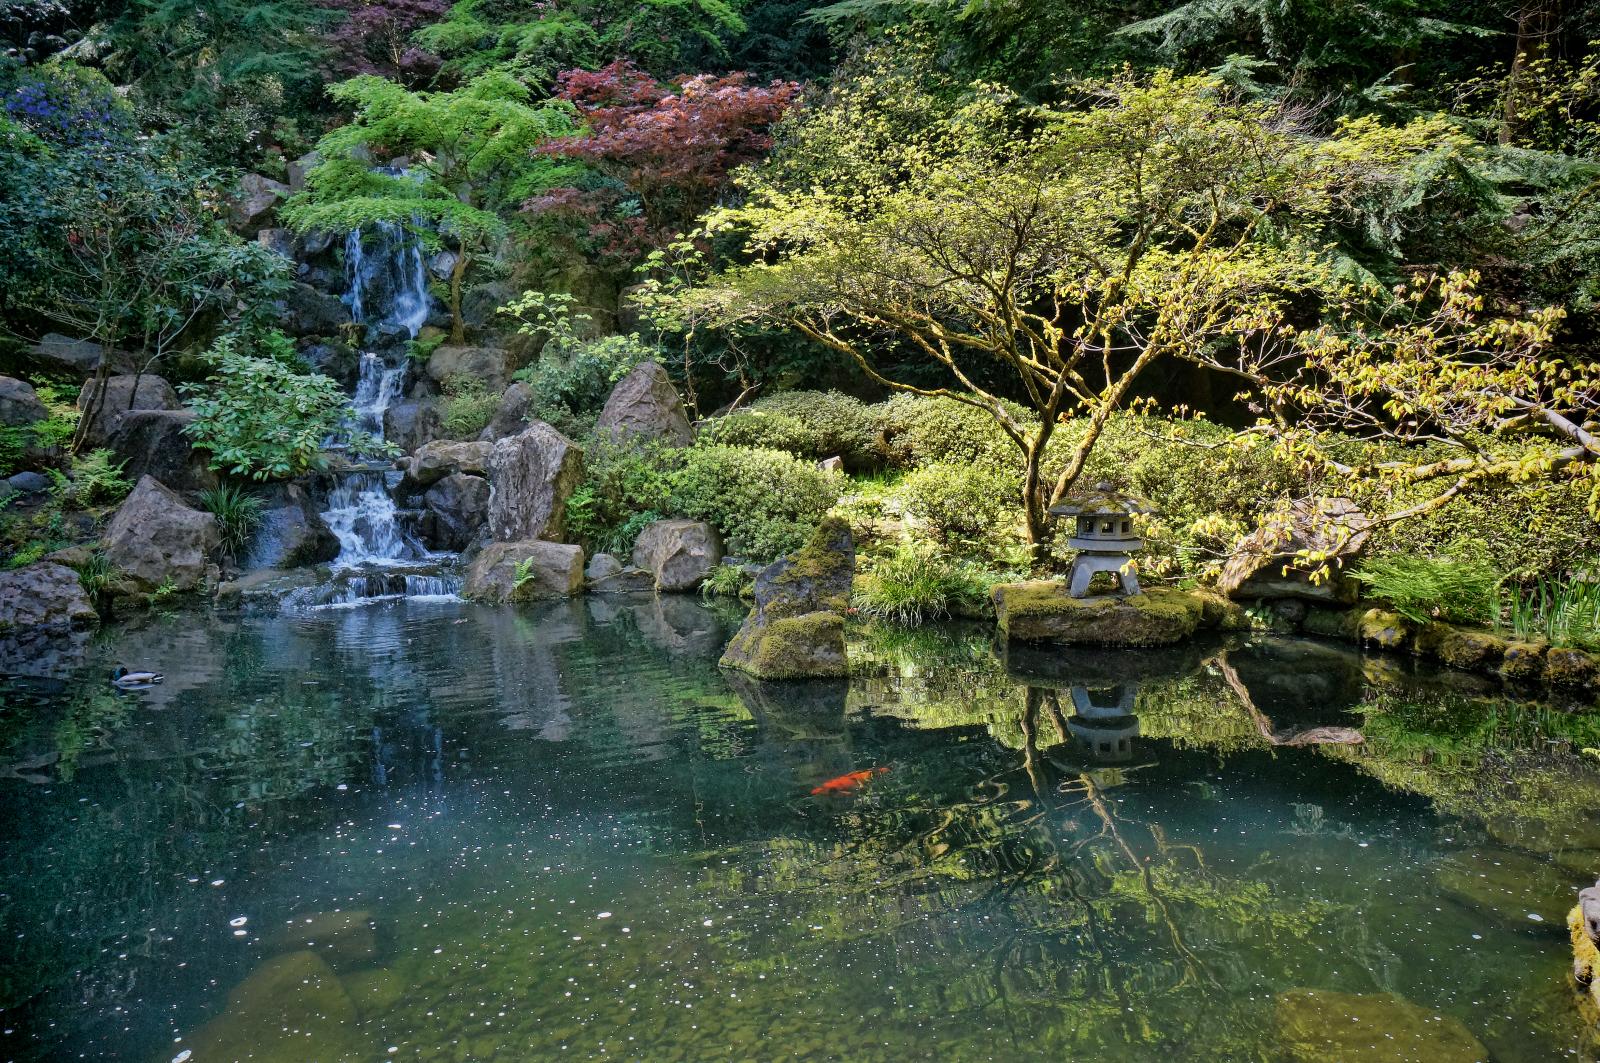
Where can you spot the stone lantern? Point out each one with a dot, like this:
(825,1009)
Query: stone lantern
(1104,537)
(1103,721)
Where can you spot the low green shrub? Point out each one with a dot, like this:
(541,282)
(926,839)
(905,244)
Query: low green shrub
(468,407)
(1427,588)
(727,581)
(238,514)
(917,430)
(761,430)
(261,418)
(574,373)
(963,503)
(764,502)
(915,584)
(834,425)
(626,485)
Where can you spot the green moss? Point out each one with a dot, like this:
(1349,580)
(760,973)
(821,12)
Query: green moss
(809,646)
(1333,624)
(1585,965)
(1384,629)
(1460,647)
(1043,611)
(1565,666)
(1523,660)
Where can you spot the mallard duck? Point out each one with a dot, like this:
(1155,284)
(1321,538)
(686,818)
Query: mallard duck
(124,678)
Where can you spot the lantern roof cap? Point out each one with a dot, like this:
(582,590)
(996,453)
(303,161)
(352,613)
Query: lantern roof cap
(1103,500)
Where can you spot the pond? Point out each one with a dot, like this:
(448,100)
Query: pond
(430,830)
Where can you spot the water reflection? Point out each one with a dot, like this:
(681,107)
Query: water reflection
(471,833)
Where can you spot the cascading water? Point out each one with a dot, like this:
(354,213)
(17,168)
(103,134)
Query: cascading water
(388,291)
(388,297)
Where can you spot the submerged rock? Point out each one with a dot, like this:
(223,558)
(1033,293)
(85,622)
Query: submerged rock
(645,405)
(1510,886)
(796,629)
(290,1009)
(553,570)
(345,940)
(1043,611)
(1320,1025)
(531,476)
(679,553)
(156,540)
(46,595)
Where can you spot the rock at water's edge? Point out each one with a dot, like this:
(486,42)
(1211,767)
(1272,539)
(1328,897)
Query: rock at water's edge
(156,540)
(555,570)
(679,553)
(1043,611)
(796,629)
(45,595)
(531,476)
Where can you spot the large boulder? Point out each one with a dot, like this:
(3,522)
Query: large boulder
(19,403)
(1265,565)
(55,353)
(796,629)
(291,533)
(531,475)
(1044,611)
(309,312)
(253,202)
(645,405)
(156,540)
(492,365)
(46,595)
(679,553)
(458,508)
(103,403)
(153,443)
(290,1007)
(413,423)
(1317,1025)
(552,570)
(434,461)
(511,416)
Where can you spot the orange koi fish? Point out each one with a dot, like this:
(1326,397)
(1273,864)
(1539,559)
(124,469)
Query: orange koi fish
(846,783)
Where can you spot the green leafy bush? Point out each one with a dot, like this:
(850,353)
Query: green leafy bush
(764,502)
(238,515)
(915,584)
(836,425)
(1426,588)
(573,374)
(761,430)
(625,487)
(918,430)
(469,406)
(261,418)
(1562,612)
(962,503)
(727,581)
(96,479)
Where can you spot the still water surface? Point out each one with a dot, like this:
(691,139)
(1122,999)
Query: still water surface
(446,832)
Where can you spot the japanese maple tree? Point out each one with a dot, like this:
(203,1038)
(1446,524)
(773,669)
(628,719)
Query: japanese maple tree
(658,152)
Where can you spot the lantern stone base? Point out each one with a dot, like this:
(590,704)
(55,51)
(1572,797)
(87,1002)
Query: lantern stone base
(1046,611)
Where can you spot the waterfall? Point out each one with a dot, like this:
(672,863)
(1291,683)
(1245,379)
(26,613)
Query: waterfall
(388,291)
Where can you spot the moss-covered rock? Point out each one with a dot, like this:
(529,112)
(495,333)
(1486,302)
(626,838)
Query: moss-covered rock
(1585,963)
(1220,613)
(796,629)
(1384,629)
(1523,660)
(1043,611)
(1333,624)
(1509,886)
(1565,666)
(1319,1025)
(1460,647)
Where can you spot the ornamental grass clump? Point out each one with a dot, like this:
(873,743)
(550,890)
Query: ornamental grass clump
(237,513)
(915,584)
(1427,588)
(1562,612)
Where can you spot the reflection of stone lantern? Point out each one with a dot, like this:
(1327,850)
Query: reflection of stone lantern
(1104,537)
(1103,722)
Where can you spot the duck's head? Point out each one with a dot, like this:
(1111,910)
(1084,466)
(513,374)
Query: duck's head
(119,672)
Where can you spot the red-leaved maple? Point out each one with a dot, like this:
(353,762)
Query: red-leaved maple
(660,150)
